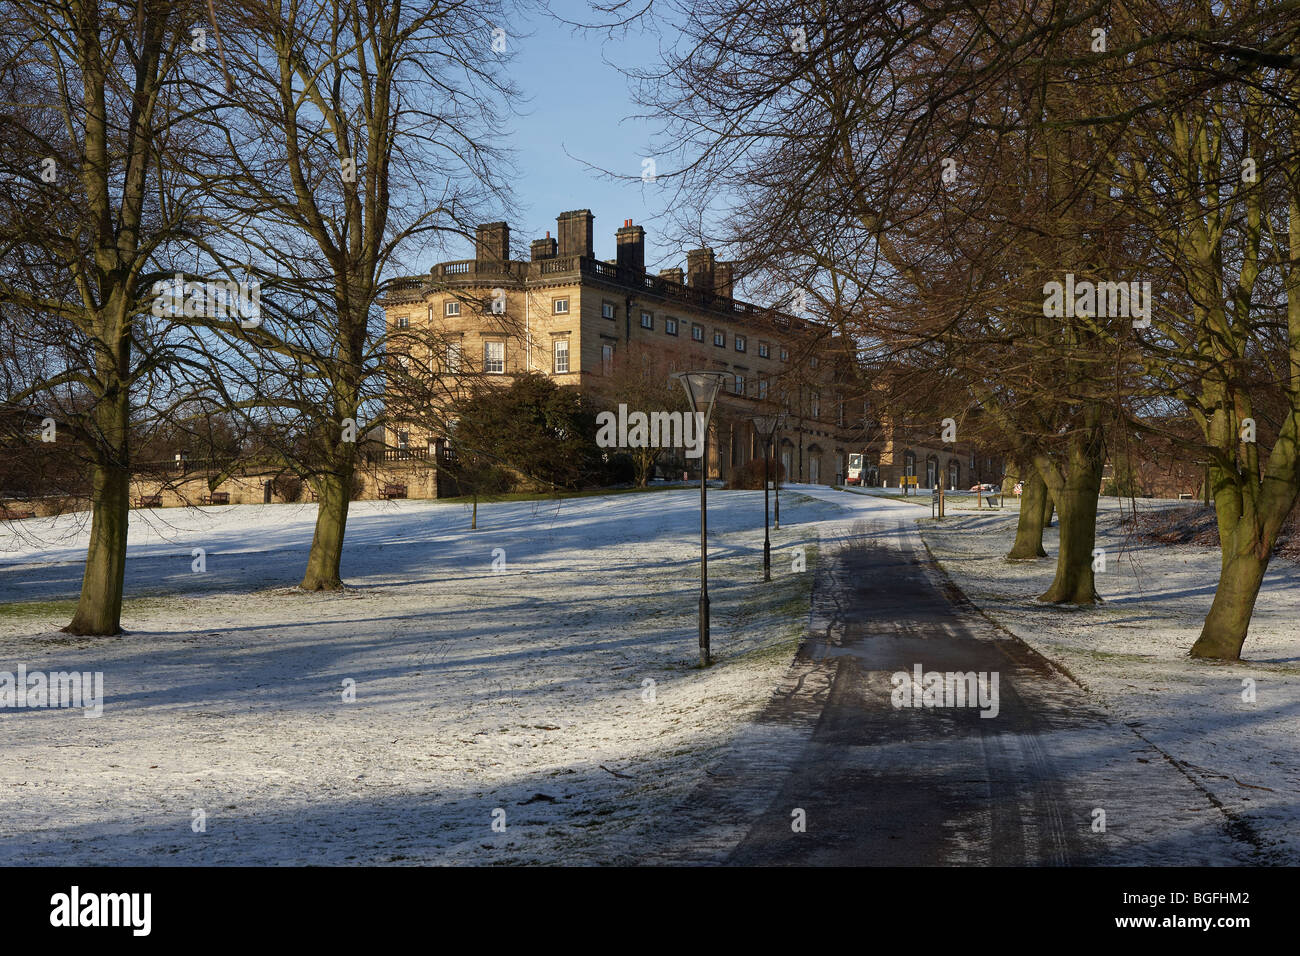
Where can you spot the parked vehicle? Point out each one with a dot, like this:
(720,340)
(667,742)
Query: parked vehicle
(854,476)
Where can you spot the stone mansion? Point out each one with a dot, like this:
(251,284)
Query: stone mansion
(567,314)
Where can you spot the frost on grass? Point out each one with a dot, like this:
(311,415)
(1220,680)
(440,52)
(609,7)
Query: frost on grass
(1131,651)
(523,689)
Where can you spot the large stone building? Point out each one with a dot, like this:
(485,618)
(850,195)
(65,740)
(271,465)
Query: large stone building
(567,314)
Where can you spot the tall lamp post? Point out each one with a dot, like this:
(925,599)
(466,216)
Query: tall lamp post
(776,485)
(702,391)
(766,426)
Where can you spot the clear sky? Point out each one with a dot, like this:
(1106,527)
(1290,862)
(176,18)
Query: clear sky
(579,114)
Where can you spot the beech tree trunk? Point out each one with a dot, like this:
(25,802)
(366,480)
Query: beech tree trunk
(99,609)
(1240,576)
(1074,493)
(1074,582)
(326,553)
(1248,529)
(1034,505)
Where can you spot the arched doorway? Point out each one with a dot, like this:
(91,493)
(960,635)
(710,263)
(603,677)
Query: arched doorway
(954,475)
(931,472)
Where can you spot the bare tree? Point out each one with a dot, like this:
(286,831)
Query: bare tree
(889,162)
(356,133)
(1215,186)
(90,217)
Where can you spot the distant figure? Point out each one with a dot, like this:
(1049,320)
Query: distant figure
(1020,486)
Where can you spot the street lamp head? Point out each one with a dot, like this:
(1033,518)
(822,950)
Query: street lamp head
(766,425)
(702,389)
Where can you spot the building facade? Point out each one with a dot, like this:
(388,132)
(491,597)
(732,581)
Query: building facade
(586,321)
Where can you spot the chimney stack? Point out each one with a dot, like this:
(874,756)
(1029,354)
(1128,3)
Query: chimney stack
(722,278)
(575,231)
(543,248)
(630,241)
(492,243)
(699,269)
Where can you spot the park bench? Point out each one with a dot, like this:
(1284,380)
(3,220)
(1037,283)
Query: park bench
(149,501)
(394,491)
(217,498)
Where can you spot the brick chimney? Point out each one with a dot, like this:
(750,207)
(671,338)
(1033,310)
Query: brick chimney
(575,231)
(699,269)
(492,242)
(630,241)
(543,248)
(672,275)
(722,278)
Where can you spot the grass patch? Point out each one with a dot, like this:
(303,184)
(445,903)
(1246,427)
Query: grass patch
(25,610)
(787,599)
(922,500)
(64,609)
(560,495)
(1109,656)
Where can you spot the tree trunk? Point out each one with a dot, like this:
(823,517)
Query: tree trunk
(327,543)
(1075,493)
(1248,530)
(1033,511)
(1240,577)
(1049,507)
(1077,507)
(99,609)
(473,521)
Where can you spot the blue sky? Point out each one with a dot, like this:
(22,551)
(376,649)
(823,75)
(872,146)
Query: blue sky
(579,112)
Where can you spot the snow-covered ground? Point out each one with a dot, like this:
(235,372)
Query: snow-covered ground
(1131,651)
(526,688)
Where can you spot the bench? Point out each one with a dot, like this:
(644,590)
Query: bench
(394,491)
(216,498)
(149,501)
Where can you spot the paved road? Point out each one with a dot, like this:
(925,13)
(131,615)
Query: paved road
(880,785)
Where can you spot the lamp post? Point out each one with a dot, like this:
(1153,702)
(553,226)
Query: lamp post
(702,391)
(766,426)
(776,485)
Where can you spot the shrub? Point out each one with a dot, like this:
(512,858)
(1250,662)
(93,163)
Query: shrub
(750,474)
(287,487)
